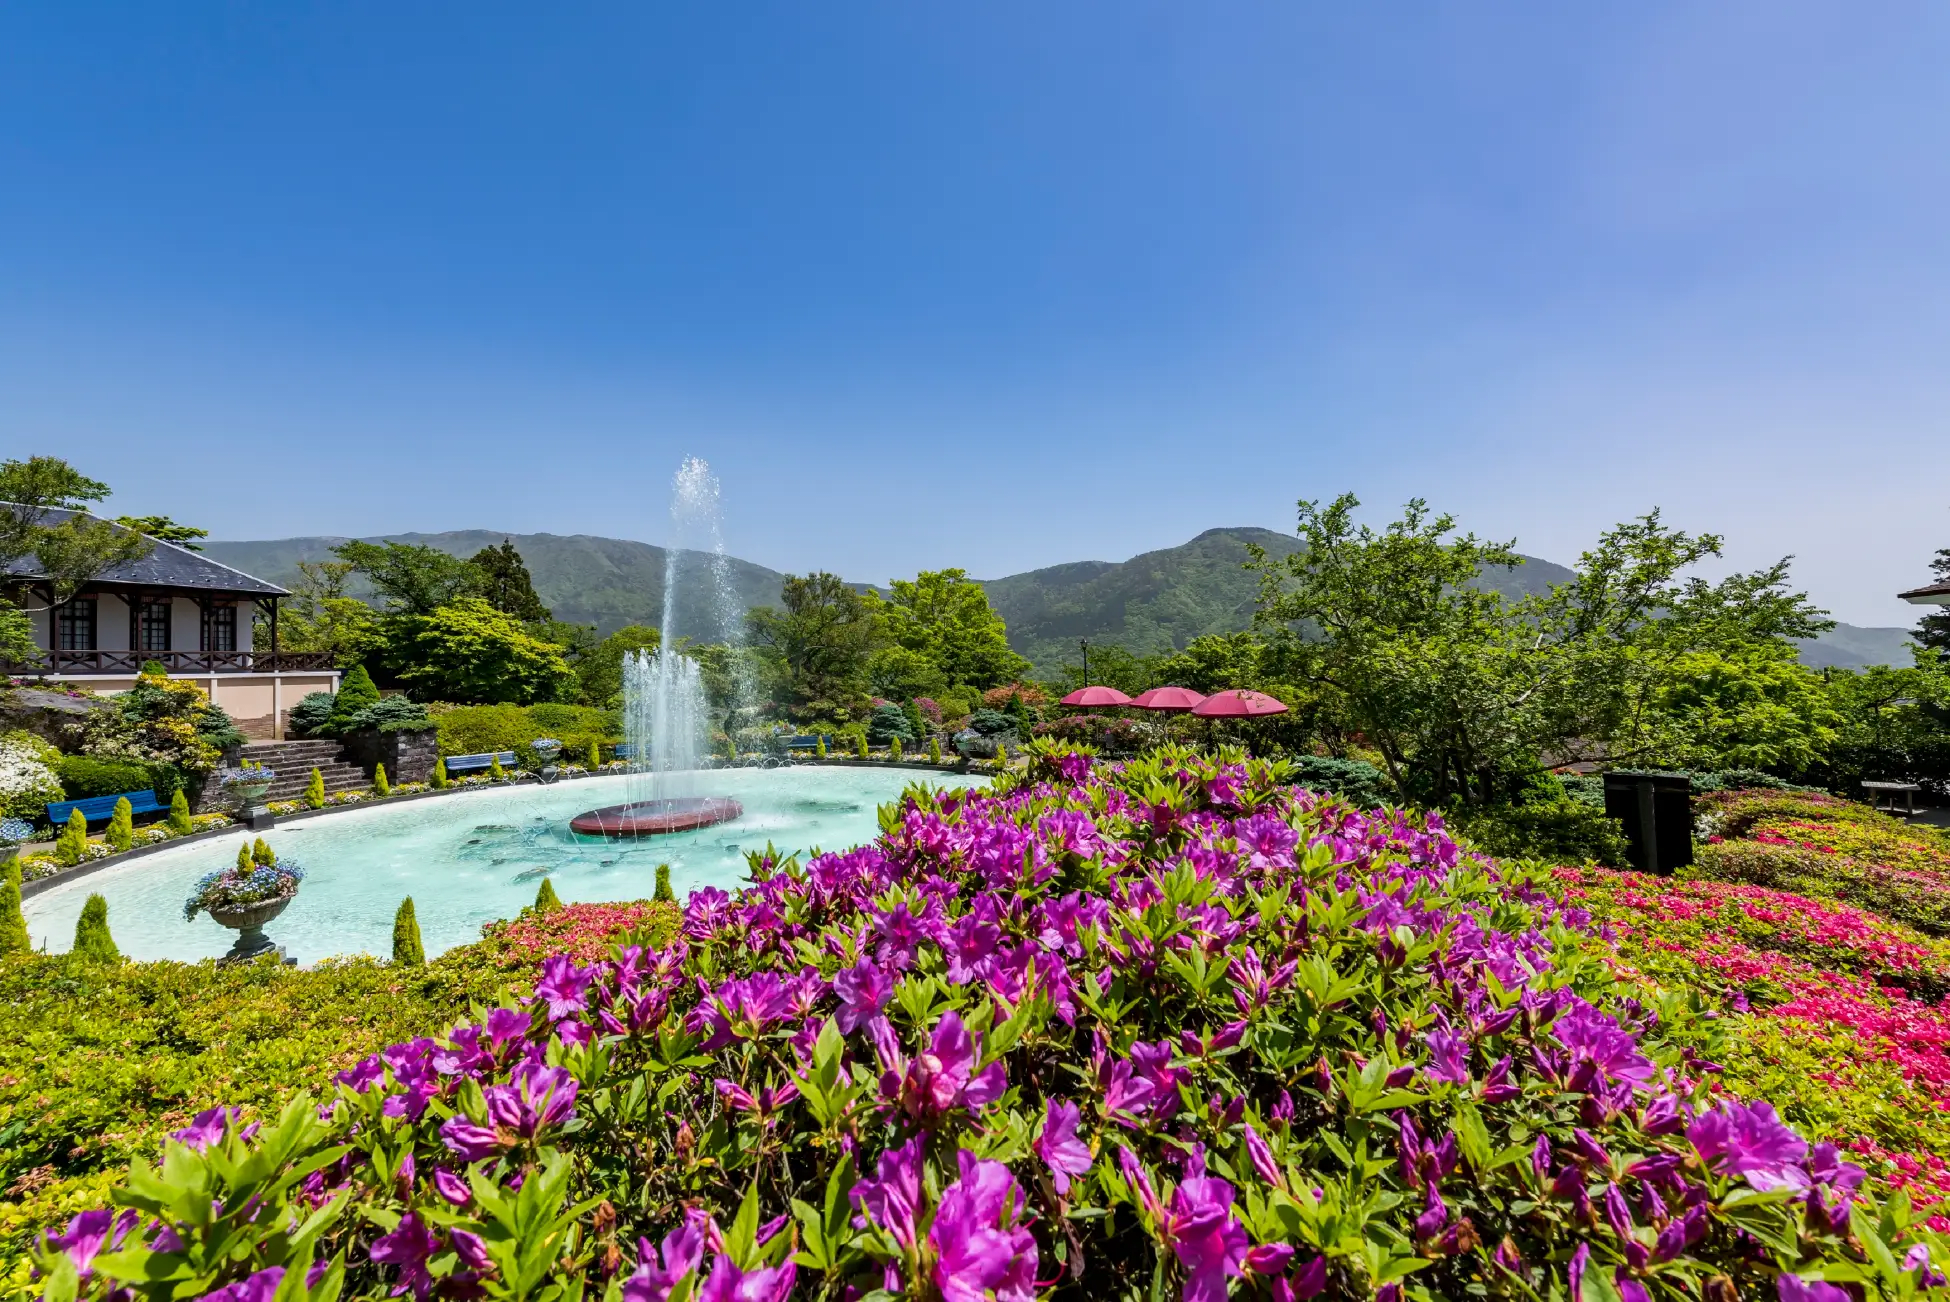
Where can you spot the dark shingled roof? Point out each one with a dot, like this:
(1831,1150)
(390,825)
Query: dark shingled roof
(1927,590)
(166,566)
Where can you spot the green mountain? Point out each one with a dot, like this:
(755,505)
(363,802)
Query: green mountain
(608,582)
(1156,602)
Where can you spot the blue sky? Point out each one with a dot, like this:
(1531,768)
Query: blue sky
(994,286)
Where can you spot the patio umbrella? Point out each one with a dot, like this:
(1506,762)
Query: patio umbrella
(1096,696)
(1174,700)
(1237,704)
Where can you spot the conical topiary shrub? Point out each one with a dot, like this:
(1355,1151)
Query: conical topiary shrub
(315,791)
(595,755)
(13,923)
(934,750)
(440,774)
(859,745)
(121,826)
(263,854)
(355,694)
(379,781)
(663,891)
(894,752)
(91,938)
(72,847)
(495,772)
(407,949)
(819,745)
(244,864)
(179,814)
(546,900)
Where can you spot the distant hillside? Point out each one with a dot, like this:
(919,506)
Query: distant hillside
(608,582)
(1158,602)
(1152,603)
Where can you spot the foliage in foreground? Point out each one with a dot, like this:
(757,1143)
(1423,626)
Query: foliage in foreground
(1172,1029)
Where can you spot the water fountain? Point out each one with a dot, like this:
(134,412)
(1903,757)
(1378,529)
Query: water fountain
(665,713)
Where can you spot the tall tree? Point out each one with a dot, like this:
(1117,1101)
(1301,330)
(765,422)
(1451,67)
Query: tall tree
(500,578)
(469,652)
(945,616)
(164,529)
(819,643)
(600,670)
(1933,630)
(412,578)
(320,616)
(67,553)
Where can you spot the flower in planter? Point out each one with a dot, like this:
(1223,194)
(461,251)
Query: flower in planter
(13,831)
(241,887)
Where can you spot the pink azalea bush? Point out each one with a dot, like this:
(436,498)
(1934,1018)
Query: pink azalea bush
(1165,1029)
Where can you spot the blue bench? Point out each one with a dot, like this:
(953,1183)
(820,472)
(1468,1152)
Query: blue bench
(625,751)
(479,763)
(807,743)
(99,809)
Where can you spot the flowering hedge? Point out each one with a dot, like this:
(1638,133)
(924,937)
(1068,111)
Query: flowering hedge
(1166,1029)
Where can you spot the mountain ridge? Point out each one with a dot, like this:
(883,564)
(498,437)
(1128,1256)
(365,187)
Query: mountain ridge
(1156,601)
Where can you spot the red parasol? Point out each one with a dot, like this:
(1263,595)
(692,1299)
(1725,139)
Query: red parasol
(1168,699)
(1237,704)
(1096,696)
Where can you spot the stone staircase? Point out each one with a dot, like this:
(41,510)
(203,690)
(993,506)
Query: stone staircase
(293,762)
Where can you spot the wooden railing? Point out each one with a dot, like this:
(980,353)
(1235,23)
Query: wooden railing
(177,662)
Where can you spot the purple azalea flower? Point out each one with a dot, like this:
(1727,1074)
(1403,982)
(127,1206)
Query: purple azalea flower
(88,1233)
(470,1141)
(863,990)
(407,1249)
(892,1200)
(471,1248)
(1309,1281)
(980,1249)
(505,1024)
(535,1096)
(260,1287)
(727,1283)
(1793,1288)
(1059,1146)
(1209,1243)
(1261,1156)
(204,1130)
(1448,1056)
(656,1276)
(1601,1045)
(563,986)
(451,1187)
(944,1077)
(1750,1140)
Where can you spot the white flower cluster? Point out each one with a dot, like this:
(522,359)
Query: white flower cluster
(25,782)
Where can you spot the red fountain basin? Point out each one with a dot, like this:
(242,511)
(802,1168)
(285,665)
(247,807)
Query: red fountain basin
(656,817)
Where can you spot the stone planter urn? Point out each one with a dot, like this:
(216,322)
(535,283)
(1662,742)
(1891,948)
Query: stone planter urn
(249,794)
(248,922)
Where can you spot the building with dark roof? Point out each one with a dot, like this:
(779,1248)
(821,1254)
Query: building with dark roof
(198,618)
(1930,594)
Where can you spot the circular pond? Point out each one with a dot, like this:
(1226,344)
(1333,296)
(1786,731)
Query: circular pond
(470,858)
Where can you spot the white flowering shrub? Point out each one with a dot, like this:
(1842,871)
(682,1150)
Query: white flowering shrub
(26,780)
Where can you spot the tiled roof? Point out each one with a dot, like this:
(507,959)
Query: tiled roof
(1928,592)
(166,566)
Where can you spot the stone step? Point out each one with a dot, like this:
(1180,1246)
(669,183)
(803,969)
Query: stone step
(337,777)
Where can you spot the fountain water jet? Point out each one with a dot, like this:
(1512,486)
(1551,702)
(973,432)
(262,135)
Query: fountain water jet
(665,713)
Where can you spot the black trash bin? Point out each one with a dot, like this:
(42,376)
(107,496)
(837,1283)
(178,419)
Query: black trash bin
(1657,812)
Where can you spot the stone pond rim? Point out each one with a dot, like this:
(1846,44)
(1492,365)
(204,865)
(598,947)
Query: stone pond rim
(656,817)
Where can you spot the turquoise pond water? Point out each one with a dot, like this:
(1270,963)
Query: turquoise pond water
(470,858)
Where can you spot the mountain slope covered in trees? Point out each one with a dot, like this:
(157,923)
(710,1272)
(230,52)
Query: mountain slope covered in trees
(1154,602)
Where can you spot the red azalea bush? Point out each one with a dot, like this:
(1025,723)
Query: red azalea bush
(1170,1028)
(584,932)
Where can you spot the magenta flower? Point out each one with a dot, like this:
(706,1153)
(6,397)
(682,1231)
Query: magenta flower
(1793,1288)
(259,1287)
(451,1187)
(535,1096)
(563,986)
(1749,1140)
(979,1248)
(205,1129)
(863,990)
(470,1141)
(1059,1146)
(1448,1056)
(727,1283)
(944,1077)
(1199,1227)
(1261,1156)
(88,1233)
(1600,1043)
(892,1200)
(407,1249)
(655,1277)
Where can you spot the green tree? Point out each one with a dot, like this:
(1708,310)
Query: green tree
(315,791)
(380,783)
(62,554)
(440,773)
(901,674)
(946,617)
(663,891)
(1462,689)
(818,645)
(407,949)
(320,616)
(1749,708)
(164,529)
(92,940)
(500,577)
(1933,630)
(356,692)
(72,845)
(179,814)
(13,923)
(600,672)
(471,653)
(120,833)
(412,578)
(546,900)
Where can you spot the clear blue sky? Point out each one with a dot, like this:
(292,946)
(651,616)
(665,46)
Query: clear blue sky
(994,285)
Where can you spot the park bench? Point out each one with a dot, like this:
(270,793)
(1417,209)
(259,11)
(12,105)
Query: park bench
(97,809)
(1879,792)
(624,751)
(479,763)
(806,743)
